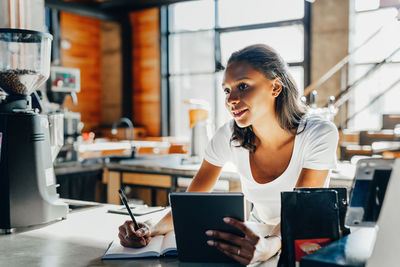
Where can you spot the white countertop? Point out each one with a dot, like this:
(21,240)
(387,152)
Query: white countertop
(79,240)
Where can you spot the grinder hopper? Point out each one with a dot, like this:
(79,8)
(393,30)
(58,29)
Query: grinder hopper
(24,65)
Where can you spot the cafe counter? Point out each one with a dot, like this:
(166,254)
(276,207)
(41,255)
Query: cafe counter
(79,240)
(163,175)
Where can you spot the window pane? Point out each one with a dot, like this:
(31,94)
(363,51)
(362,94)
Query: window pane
(222,114)
(288,41)
(370,89)
(384,43)
(298,75)
(191,52)
(193,15)
(239,12)
(187,87)
(362,5)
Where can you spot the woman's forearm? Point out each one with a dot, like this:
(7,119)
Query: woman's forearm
(269,246)
(163,226)
(275,241)
(274,246)
(276,230)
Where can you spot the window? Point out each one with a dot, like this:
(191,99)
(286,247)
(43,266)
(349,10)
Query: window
(287,40)
(239,12)
(379,93)
(200,37)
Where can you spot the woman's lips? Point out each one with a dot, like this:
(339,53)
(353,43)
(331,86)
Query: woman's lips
(238,114)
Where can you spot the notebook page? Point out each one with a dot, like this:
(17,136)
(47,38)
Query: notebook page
(169,244)
(117,251)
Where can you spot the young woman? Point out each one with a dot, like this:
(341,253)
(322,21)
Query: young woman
(273,144)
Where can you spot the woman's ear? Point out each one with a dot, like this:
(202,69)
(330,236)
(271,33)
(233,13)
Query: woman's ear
(277,86)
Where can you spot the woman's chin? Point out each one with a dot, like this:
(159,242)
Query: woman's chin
(242,123)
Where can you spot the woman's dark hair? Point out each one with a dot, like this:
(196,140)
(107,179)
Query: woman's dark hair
(287,106)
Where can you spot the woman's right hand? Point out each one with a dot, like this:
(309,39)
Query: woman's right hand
(136,239)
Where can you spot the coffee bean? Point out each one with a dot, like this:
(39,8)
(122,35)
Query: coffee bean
(10,81)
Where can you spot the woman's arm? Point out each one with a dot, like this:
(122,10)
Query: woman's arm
(312,178)
(203,181)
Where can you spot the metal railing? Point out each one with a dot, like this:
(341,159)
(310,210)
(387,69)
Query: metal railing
(344,95)
(376,98)
(338,65)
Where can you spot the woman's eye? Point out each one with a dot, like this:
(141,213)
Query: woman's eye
(242,86)
(227,90)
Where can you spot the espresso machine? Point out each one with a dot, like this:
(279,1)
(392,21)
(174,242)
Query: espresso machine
(28,194)
(63,82)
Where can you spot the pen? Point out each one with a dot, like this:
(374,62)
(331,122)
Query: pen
(123,199)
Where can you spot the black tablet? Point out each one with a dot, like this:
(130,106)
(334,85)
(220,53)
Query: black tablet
(195,213)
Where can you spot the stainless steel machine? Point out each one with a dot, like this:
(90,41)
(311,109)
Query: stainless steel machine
(65,81)
(28,191)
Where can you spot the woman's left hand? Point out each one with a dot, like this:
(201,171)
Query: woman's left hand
(246,250)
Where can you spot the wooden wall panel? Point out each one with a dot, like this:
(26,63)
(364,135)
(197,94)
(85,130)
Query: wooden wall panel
(83,33)
(146,69)
(111,62)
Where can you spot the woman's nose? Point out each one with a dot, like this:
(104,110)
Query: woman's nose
(232,99)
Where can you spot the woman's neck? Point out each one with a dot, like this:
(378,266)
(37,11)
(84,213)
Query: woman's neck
(269,133)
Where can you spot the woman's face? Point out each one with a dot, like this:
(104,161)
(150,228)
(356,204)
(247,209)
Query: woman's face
(249,95)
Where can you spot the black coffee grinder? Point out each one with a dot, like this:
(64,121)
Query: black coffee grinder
(28,193)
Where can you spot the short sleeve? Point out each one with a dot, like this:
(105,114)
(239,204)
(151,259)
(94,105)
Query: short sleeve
(218,150)
(322,142)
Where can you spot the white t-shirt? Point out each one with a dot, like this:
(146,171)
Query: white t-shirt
(314,148)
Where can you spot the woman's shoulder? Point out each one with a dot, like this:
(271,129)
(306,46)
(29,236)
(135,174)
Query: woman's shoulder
(226,129)
(317,125)
(218,151)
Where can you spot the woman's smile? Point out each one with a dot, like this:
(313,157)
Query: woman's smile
(239,112)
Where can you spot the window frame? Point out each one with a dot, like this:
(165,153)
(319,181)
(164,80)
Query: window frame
(351,120)
(164,62)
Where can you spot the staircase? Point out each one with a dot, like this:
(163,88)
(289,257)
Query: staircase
(383,142)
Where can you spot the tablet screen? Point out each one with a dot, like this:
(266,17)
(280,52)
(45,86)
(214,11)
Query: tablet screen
(195,213)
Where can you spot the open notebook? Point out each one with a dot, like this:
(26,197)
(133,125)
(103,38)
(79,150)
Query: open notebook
(161,245)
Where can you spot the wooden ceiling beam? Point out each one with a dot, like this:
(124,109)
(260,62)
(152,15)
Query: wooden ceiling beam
(85,9)
(132,5)
(105,9)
